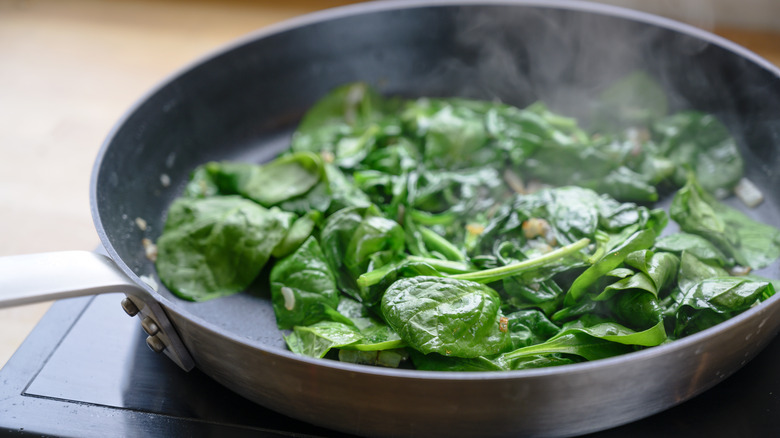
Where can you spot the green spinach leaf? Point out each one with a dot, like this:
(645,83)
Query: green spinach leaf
(302,287)
(318,339)
(445,316)
(216,246)
(639,240)
(748,242)
(701,143)
(714,300)
(695,245)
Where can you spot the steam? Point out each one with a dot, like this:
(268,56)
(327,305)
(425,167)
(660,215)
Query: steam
(519,55)
(566,58)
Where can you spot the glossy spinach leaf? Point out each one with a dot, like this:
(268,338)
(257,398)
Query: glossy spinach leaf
(216,246)
(660,267)
(339,113)
(546,295)
(445,316)
(575,212)
(625,184)
(639,240)
(317,199)
(701,143)
(201,184)
(354,239)
(571,211)
(631,282)
(299,231)
(268,184)
(748,242)
(566,161)
(373,283)
(519,133)
(342,191)
(714,300)
(335,237)
(596,341)
(359,335)
(318,339)
(529,327)
(695,245)
(453,133)
(637,309)
(693,270)
(376,241)
(377,334)
(302,286)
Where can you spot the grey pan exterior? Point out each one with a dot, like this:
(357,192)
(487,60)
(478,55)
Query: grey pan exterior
(243,101)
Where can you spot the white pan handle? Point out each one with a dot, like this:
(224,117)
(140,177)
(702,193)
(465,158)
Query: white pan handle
(33,278)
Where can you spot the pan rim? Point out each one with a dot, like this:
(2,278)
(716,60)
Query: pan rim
(670,349)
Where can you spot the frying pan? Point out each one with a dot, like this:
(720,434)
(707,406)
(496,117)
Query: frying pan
(243,102)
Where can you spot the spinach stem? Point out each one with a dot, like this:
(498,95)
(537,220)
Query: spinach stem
(436,242)
(444,266)
(428,219)
(371,278)
(495,274)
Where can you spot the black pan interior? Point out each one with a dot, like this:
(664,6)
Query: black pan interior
(243,102)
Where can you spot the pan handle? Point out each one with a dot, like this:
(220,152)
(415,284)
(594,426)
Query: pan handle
(33,278)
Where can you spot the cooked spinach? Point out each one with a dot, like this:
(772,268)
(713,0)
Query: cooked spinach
(303,288)
(446,316)
(280,180)
(714,300)
(457,234)
(216,246)
(748,242)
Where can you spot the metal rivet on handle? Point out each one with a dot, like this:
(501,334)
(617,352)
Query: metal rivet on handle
(129,307)
(155,344)
(149,326)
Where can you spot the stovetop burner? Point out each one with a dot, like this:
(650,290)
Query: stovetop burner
(86,371)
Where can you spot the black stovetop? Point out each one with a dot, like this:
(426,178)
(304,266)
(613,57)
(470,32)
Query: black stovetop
(86,371)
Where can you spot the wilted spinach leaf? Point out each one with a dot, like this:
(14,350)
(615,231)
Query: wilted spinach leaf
(318,339)
(748,242)
(694,245)
(715,300)
(355,238)
(445,316)
(299,231)
(693,270)
(700,142)
(269,184)
(637,241)
(596,341)
(302,287)
(216,246)
(339,113)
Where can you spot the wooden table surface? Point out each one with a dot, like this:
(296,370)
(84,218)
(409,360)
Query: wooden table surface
(69,70)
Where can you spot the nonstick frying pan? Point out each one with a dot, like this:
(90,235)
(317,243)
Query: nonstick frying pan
(243,102)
